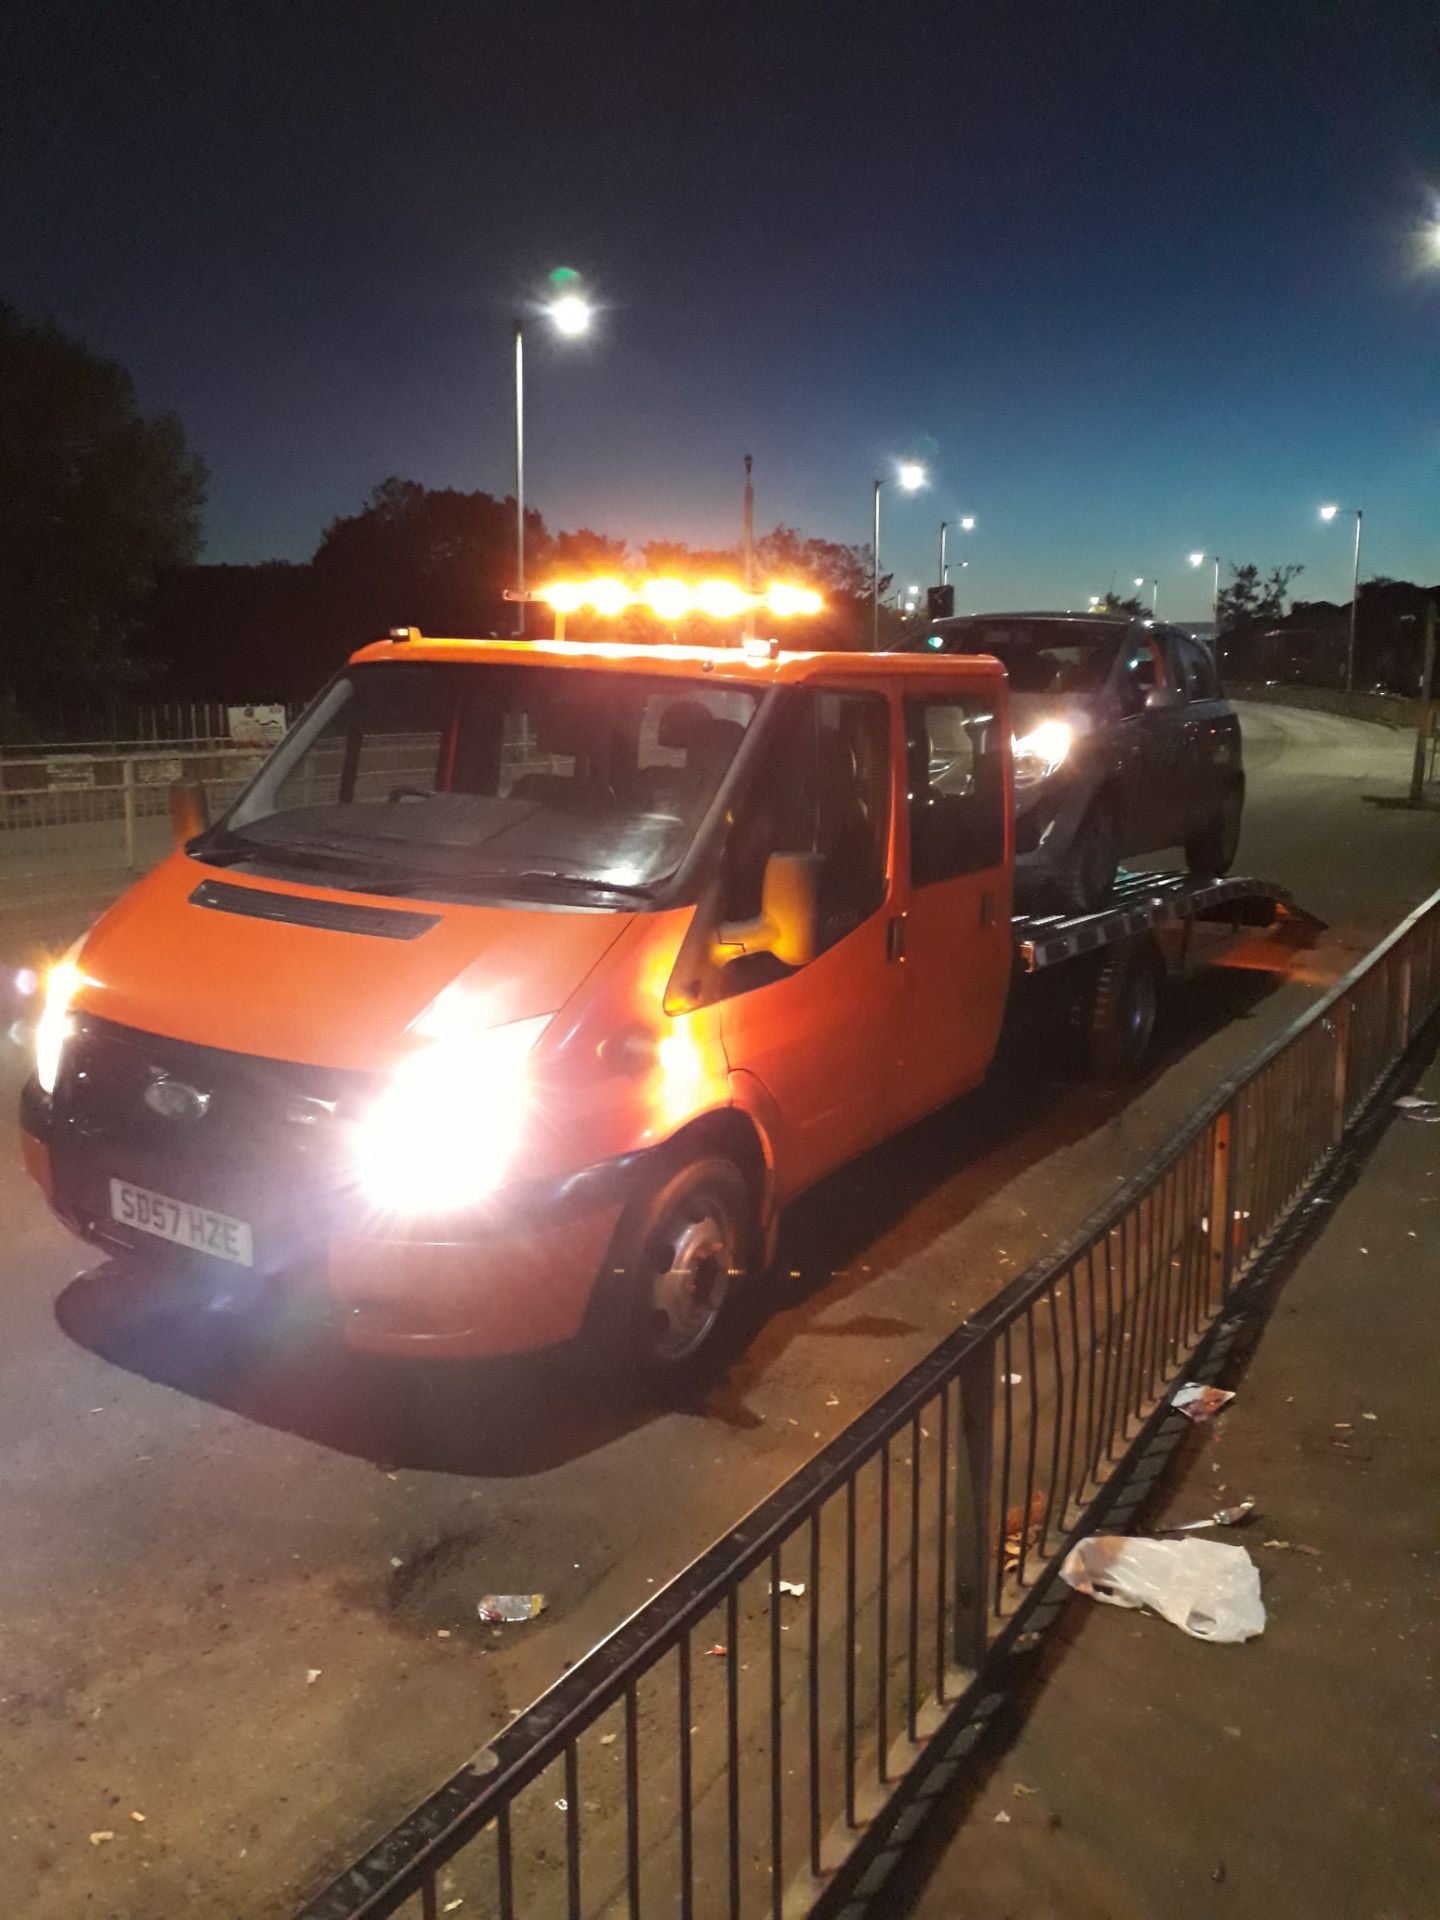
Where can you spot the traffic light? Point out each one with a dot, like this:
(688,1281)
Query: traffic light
(939,603)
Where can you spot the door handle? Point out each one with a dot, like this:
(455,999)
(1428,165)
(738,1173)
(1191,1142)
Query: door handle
(895,938)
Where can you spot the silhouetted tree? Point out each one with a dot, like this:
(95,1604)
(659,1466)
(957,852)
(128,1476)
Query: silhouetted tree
(98,500)
(1248,597)
(429,557)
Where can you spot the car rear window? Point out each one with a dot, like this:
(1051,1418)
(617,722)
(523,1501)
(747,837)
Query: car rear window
(1039,656)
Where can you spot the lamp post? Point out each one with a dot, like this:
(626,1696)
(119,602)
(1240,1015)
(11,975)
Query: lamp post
(1329,513)
(910,475)
(569,314)
(1198,560)
(1154,594)
(966,524)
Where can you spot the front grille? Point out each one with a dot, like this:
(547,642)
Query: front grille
(298,909)
(265,1142)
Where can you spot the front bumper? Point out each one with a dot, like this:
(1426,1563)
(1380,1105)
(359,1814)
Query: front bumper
(1047,818)
(506,1277)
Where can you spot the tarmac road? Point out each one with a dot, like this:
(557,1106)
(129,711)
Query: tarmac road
(203,1501)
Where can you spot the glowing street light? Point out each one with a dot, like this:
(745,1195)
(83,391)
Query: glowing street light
(570,314)
(911,476)
(1328,513)
(1198,560)
(1154,594)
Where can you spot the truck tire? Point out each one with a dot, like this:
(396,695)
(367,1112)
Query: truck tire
(1122,1009)
(683,1250)
(1211,852)
(1094,858)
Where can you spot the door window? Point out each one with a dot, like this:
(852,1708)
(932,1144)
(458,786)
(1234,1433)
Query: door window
(826,791)
(1202,679)
(956,785)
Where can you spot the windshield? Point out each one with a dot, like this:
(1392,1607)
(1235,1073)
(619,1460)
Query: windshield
(477,778)
(1039,656)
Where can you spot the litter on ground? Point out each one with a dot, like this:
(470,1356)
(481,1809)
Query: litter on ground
(1208,1590)
(1200,1403)
(1222,1517)
(510,1607)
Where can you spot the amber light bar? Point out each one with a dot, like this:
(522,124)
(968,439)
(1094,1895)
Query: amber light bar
(671,599)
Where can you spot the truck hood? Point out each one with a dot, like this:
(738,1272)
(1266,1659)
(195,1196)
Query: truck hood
(335,995)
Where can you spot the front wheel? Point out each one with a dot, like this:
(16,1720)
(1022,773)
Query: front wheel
(1089,879)
(685,1246)
(1212,850)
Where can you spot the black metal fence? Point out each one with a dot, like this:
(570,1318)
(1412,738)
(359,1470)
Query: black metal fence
(736,1747)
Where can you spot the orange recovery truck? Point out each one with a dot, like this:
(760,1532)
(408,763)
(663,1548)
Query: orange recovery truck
(526,984)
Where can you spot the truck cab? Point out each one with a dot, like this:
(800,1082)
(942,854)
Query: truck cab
(526,984)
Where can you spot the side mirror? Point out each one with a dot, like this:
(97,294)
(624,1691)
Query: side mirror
(189,813)
(789,922)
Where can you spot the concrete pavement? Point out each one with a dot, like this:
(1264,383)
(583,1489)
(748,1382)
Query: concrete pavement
(1155,1777)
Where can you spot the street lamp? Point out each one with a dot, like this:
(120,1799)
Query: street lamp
(1198,560)
(966,524)
(1154,594)
(910,475)
(570,315)
(1328,514)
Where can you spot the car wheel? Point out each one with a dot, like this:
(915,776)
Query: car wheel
(1094,859)
(1122,1009)
(682,1252)
(1212,851)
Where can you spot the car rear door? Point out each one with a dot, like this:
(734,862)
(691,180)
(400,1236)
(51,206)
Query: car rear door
(1212,736)
(957,867)
(822,1039)
(1153,700)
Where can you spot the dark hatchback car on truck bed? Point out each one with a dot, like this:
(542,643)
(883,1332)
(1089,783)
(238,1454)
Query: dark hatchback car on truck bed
(1124,745)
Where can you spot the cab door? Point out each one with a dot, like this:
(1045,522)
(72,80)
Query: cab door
(957,943)
(822,1039)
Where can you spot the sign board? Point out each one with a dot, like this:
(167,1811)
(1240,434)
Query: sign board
(256,726)
(70,770)
(159,771)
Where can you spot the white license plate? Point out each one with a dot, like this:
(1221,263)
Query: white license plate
(181,1223)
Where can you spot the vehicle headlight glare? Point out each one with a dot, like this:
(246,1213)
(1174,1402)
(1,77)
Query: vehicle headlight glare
(1039,752)
(443,1131)
(53,1027)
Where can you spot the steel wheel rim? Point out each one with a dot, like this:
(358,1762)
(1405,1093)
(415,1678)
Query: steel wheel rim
(693,1263)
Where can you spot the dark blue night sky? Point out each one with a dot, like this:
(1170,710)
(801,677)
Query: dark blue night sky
(1133,279)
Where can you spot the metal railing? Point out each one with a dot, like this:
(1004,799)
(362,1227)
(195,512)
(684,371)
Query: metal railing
(76,828)
(738,1747)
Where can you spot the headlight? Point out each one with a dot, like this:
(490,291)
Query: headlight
(1039,752)
(443,1131)
(53,1027)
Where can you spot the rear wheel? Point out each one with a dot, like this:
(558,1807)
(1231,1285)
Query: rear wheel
(684,1248)
(1094,858)
(1212,851)
(1120,1013)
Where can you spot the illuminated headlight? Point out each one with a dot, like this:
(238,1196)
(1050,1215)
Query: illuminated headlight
(443,1131)
(1039,752)
(53,1027)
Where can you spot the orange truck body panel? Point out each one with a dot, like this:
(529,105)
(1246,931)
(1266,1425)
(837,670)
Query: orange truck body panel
(821,1063)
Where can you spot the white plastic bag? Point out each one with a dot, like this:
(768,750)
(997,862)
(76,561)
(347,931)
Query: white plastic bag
(1210,1590)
